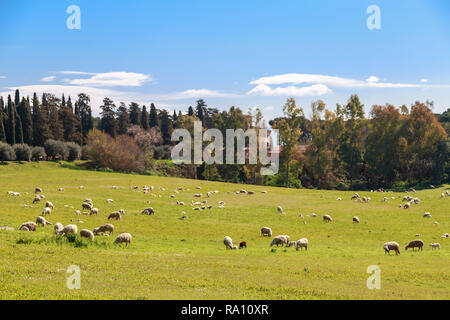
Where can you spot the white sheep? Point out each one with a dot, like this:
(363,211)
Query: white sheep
(280,209)
(427,215)
(94,211)
(58,228)
(87,234)
(302,243)
(105,228)
(41,221)
(435,246)
(28,226)
(228,242)
(69,229)
(46,211)
(356,219)
(48,204)
(279,241)
(115,215)
(109,200)
(149,211)
(124,238)
(37,190)
(327,218)
(391,246)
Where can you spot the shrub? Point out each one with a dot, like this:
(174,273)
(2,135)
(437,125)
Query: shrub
(6,152)
(57,150)
(74,151)
(38,153)
(22,152)
(121,154)
(162,152)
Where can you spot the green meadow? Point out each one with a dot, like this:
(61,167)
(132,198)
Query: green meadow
(171,258)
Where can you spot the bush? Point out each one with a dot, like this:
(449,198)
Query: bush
(23,152)
(74,151)
(121,154)
(6,152)
(38,153)
(57,150)
(162,153)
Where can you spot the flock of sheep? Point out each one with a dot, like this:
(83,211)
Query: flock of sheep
(126,238)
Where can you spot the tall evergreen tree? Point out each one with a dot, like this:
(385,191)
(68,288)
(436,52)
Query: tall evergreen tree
(145,118)
(19,131)
(17,98)
(85,111)
(55,124)
(24,111)
(135,114)
(200,109)
(153,118)
(108,114)
(166,125)
(2,126)
(123,119)
(11,127)
(175,116)
(190,111)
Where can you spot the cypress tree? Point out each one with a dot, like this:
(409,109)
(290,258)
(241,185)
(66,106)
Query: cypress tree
(123,119)
(19,131)
(11,127)
(24,111)
(17,98)
(2,126)
(153,118)
(108,114)
(135,114)
(145,118)
(175,116)
(190,111)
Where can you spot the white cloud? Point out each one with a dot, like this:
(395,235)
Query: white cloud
(372,79)
(48,79)
(194,93)
(424,80)
(331,81)
(2,77)
(109,79)
(314,90)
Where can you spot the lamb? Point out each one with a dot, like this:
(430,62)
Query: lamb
(41,221)
(105,228)
(94,211)
(243,245)
(28,226)
(292,244)
(280,210)
(394,246)
(58,228)
(149,211)
(69,229)
(415,244)
(327,218)
(48,204)
(115,215)
(124,238)
(356,219)
(87,234)
(46,211)
(407,206)
(228,242)
(302,243)
(279,240)
(435,246)
(266,232)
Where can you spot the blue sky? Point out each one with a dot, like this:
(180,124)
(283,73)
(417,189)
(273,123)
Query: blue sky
(242,53)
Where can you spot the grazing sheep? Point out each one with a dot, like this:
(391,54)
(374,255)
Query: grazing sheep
(60,189)
(356,219)
(115,215)
(124,238)
(385,199)
(416,200)
(48,204)
(37,190)
(87,234)
(250,192)
(46,211)
(394,246)
(313,215)
(36,199)
(105,228)
(445,235)
(41,221)
(94,211)
(58,228)
(228,242)
(266,232)
(302,243)
(28,226)
(149,211)
(280,210)
(407,206)
(243,245)
(435,246)
(339,199)
(279,240)
(69,229)
(109,200)
(87,206)
(427,215)
(327,218)
(355,196)
(415,244)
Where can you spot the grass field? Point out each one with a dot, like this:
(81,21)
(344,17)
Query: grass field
(172,258)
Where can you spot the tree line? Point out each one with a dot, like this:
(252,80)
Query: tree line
(342,148)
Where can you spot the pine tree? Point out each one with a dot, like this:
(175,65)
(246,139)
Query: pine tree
(200,109)
(2,117)
(85,115)
(145,118)
(17,98)
(153,118)
(123,119)
(135,114)
(55,125)
(108,114)
(190,111)
(175,116)
(63,101)
(166,125)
